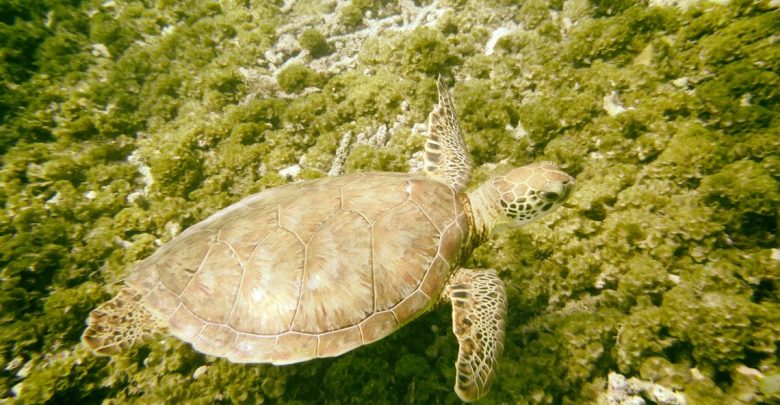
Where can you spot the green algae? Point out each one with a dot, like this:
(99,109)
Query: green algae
(666,268)
(315,42)
(297,77)
(351,16)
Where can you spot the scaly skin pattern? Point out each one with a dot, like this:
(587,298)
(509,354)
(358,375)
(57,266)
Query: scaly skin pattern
(478,320)
(446,157)
(523,195)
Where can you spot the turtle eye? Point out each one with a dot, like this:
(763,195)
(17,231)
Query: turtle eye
(550,196)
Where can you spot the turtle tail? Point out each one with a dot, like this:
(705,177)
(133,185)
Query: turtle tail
(119,324)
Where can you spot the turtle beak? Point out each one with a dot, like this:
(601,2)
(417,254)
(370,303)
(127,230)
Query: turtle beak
(567,205)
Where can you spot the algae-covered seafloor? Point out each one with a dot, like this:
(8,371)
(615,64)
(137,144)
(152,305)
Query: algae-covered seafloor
(124,122)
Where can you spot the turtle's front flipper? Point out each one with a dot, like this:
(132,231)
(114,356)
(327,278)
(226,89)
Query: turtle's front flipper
(446,157)
(118,324)
(478,313)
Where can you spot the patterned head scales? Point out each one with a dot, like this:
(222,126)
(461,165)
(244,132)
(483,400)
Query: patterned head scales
(530,192)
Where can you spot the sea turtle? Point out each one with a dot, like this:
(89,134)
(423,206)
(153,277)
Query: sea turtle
(320,267)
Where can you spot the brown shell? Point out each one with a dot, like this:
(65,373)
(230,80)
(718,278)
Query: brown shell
(307,270)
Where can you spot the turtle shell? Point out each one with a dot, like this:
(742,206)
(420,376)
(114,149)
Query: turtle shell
(307,270)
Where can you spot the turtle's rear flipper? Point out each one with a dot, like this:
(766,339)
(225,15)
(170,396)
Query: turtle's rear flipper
(118,324)
(478,315)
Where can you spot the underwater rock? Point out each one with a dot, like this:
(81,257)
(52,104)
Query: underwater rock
(634,391)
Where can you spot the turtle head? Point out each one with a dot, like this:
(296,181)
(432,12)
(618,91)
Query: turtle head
(522,195)
(533,191)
